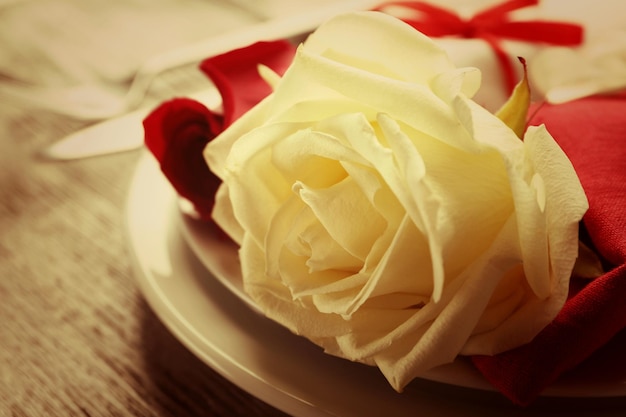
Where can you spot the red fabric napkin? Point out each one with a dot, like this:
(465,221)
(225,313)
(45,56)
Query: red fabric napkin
(592,132)
(177,131)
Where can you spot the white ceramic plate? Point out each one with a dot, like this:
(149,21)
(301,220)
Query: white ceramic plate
(209,317)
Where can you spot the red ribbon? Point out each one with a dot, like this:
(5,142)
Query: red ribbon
(493,26)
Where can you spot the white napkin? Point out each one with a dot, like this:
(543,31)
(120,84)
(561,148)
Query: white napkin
(564,74)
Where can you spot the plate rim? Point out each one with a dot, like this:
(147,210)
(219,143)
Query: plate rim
(460,373)
(147,180)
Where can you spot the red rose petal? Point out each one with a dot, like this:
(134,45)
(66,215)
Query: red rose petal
(177,132)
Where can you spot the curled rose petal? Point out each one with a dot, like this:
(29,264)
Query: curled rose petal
(588,332)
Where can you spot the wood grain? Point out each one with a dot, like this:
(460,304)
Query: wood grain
(76,336)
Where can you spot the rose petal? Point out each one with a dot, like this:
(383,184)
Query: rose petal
(362,36)
(176,133)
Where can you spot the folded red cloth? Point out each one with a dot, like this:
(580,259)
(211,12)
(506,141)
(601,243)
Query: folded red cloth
(592,132)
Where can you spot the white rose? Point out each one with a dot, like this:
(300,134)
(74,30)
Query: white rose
(386,216)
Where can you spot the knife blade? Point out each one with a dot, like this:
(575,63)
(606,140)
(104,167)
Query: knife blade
(125,132)
(120,134)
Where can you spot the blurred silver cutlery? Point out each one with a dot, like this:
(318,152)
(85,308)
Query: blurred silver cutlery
(96,102)
(123,133)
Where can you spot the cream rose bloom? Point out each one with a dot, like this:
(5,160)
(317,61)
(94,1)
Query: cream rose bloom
(386,216)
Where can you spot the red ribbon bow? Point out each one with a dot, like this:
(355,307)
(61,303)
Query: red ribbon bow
(492,25)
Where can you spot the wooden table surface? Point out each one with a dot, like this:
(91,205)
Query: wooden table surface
(77,337)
